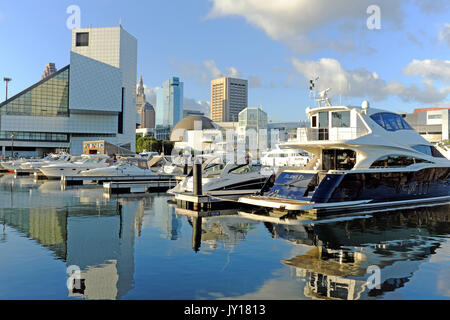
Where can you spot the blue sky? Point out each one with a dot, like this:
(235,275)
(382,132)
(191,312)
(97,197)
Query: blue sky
(276,45)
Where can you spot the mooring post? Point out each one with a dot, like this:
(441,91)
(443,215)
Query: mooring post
(185,168)
(197,183)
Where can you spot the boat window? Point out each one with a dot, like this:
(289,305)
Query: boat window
(246,168)
(423,149)
(435,153)
(396,161)
(390,121)
(314,122)
(337,159)
(340,119)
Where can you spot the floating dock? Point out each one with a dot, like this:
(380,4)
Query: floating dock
(138,186)
(211,199)
(139,181)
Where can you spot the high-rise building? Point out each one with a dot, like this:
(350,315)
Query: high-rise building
(50,69)
(229,96)
(145,111)
(169,103)
(92,98)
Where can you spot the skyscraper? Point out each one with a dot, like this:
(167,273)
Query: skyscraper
(229,96)
(169,103)
(49,70)
(144,110)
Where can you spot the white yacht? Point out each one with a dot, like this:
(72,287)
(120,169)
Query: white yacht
(364,159)
(285,158)
(53,158)
(124,167)
(87,162)
(219,175)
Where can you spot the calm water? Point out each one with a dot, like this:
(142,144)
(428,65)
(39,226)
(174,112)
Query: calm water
(140,247)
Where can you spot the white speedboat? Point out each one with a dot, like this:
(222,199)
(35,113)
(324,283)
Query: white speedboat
(13,165)
(125,167)
(364,159)
(218,175)
(87,162)
(53,158)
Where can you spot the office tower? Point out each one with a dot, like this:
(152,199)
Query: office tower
(229,96)
(169,103)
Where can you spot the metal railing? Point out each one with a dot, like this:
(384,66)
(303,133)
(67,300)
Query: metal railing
(333,134)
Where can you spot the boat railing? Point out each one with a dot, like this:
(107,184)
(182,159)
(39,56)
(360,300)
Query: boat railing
(333,134)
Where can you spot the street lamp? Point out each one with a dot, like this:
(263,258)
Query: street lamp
(6,79)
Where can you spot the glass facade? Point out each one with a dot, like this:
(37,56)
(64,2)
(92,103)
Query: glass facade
(34,136)
(169,103)
(48,98)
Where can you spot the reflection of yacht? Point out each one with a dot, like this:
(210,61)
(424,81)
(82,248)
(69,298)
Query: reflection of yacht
(339,253)
(218,175)
(364,158)
(87,162)
(125,167)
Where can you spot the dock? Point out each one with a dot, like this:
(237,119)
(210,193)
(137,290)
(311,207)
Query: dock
(121,187)
(139,181)
(211,199)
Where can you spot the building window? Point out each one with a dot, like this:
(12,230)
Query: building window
(82,39)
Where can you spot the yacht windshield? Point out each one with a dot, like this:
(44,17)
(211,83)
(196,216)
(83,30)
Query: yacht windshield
(390,121)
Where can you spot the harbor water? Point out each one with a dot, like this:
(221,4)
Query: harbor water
(80,243)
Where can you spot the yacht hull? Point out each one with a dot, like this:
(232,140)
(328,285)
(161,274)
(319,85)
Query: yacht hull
(331,192)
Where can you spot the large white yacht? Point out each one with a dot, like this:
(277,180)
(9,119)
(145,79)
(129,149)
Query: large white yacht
(87,162)
(124,167)
(363,159)
(218,174)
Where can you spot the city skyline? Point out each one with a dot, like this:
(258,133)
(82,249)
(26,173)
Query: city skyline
(403,65)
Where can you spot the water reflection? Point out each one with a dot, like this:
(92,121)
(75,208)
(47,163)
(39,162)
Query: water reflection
(217,228)
(336,265)
(141,247)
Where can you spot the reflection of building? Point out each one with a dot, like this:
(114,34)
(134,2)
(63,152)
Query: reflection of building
(93,98)
(102,246)
(229,96)
(169,103)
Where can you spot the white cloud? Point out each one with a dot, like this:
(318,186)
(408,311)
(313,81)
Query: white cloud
(444,34)
(363,83)
(293,22)
(208,70)
(430,69)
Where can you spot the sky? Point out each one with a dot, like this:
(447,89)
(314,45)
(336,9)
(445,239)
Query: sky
(392,53)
